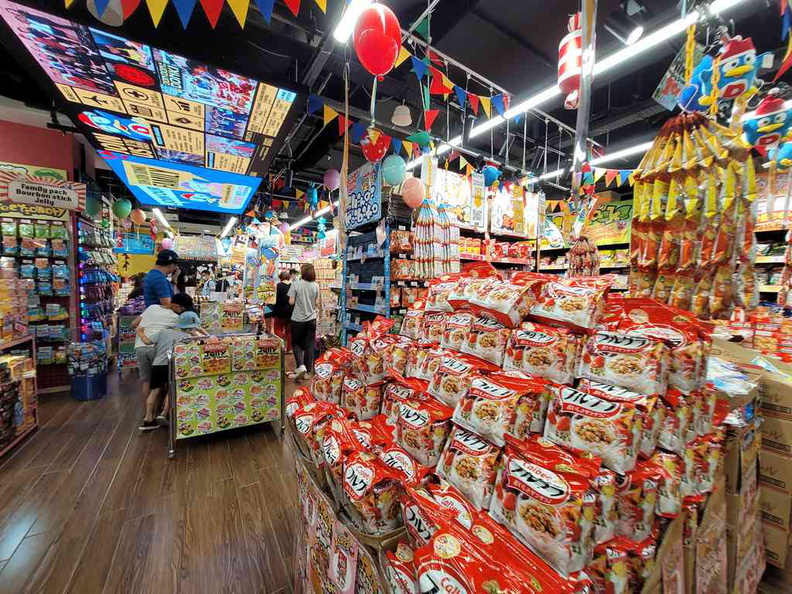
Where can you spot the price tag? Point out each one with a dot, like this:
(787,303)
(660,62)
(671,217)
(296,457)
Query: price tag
(413,284)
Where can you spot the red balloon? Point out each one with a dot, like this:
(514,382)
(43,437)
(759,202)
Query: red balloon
(377,39)
(374,151)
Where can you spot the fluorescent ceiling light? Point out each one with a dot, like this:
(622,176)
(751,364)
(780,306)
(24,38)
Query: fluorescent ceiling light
(347,23)
(318,213)
(300,223)
(556,173)
(158,213)
(628,152)
(322,211)
(486,126)
(229,225)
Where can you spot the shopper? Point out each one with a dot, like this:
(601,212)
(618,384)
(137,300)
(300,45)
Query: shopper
(304,297)
(187,324)
(283,309)
(148,325)
(137,286)
(157,289)
(294,274)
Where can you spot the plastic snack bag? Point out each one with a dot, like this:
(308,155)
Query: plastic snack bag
(398,391)
(453,376)
(573,302)
(457,329)
(422,429)
(412,324)
(487,339)
(508,302)
(412,473)
(433,326)
(373,489)
(469,463)
(400,570)
(636,495)
(542,350)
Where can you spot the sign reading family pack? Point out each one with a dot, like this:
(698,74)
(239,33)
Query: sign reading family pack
(365,196)
(42,194)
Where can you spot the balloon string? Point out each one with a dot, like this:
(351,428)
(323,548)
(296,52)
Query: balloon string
(374,103)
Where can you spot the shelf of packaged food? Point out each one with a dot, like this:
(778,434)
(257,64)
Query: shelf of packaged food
(474,257)
(769,288)
(410,283)
(366,286)
(620,288)
(17,439)
(17,341)
(771,229)
(367,309)
(521,261)
(614,266)
(770,259)
(361,258)
(552,268)
(353,326)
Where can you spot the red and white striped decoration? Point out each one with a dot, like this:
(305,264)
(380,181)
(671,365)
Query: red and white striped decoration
(570,61)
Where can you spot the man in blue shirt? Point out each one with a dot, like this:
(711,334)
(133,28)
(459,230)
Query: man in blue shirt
(157,288)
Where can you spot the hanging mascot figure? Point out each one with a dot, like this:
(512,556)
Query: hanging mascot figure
(769,125)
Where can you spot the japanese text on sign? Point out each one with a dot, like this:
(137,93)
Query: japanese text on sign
(365,198)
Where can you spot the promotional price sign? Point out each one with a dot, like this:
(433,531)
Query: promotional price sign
(365,196)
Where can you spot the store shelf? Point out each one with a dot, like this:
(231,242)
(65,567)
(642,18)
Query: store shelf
(380,257)
(615,266)
(15,342)
(769,259)
(16,440)
(769,288)
(473,257)
(353,326)
(520,261)
(368,309)
(552,268)
(410,283)
(366,286)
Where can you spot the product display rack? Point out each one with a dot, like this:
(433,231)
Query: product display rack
(326,278)
(766,264)
(33,405)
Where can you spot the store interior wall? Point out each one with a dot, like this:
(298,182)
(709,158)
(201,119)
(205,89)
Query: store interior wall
(28,145)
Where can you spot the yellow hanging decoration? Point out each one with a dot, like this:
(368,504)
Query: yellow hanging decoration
(715,81)
(690,50)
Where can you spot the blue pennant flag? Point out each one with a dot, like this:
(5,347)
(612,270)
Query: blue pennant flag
(357,132)
(461,96)
(265,7)
(518,118)
(419,67)
(397,145)
(101,5)
(497,101)
(315,102)
(184,8)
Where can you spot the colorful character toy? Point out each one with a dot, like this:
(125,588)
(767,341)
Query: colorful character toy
(738,66)
(782,156)
(769,124)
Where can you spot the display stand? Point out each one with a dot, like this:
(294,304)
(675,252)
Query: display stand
(224,382)
(29,401)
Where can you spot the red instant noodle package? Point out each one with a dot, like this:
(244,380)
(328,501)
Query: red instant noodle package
(651,409)
(574,302)
(469,463)
(398,391)
(636,496)
(329,371)
(633,362)
(551,511)
(504,403)
(606,428)
(453,376)
(457,329)
(413,322)
(373,489)
(395,456)
(433,326)
(400,570)
(540,350)
(297,400)
(422,429)
(508,302)
(487,339)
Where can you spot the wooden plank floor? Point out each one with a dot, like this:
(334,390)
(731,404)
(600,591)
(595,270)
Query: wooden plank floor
(89,504)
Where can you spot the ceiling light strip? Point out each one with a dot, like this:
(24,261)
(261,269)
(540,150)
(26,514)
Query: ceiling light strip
(317,214)
(229,225)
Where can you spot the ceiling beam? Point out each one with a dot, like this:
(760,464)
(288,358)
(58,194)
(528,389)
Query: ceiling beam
(512,35)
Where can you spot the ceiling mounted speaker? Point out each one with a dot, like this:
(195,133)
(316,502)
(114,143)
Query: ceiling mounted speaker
(113,15)
(401,116)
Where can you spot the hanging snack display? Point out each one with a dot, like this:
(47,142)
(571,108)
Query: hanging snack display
(695,211)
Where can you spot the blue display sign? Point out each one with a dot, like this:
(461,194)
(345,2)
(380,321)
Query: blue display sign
(134,243)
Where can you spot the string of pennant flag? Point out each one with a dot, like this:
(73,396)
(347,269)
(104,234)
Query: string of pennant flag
(212,8)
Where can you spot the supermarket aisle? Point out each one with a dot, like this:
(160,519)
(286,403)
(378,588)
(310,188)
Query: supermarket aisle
(89,504)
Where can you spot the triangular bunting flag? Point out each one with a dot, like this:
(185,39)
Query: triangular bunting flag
(506,102)
(184,8)
(598,173)
(469,169)
(212,8)
(265,7)
(299,193)
(461,96)
(426,99)
(329,114)
(294,6)
(408,148)
(403,55)
(437,87)
(418,67)
(631,179)
(433,57)
(462,162)
(250,213)
(485,103)
(322,4)
(156,8)
(374,135)
(422,138)
(610,175)
(474,102)
(357,132)
(127,6)
(397,145)
(429,118)
(315,103)
(343,124)
(240,10)
(497,101)
(100,6)
(422,28)
(447,83)
(624,175)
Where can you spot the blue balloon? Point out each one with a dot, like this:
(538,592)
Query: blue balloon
(394,169)
(491,175)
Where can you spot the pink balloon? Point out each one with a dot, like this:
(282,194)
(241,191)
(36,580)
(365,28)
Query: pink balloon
(332,179)
(413,192)
(284,227)
(167,243)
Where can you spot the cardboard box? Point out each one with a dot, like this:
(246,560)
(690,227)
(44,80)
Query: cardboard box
(668,574)
(743,507)
(776,543)
(776,507)
(777,435)
(741,449)
(705,548)
(777,395)
(775,470)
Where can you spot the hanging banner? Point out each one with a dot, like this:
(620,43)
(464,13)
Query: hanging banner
(33,170)
(673,81)
(505,219)
(609,223)
(41,191)
(365,196)
(134,243)
(478,206)
(195,247)
(327,246)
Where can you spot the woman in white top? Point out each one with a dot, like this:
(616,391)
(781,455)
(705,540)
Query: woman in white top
(304,296)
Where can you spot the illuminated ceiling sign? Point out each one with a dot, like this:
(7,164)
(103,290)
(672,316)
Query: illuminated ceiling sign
(145,102)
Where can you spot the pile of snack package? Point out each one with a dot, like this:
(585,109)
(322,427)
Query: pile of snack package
(693,244)
(764,329)
(534,431)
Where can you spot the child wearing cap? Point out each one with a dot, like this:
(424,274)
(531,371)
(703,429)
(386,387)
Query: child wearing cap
(188,324)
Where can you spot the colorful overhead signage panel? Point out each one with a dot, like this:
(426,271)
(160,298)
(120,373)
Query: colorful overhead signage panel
(146,102)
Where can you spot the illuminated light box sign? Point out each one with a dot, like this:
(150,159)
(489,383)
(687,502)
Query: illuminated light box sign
(146,102)
(173,185)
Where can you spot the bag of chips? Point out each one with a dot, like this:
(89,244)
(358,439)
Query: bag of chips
(540,350)
(422,429)
(574,302)
(373,490)
(487,339)
(469,463)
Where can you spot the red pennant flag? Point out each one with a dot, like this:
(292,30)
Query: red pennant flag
(250,213)
(610,175)
(294,6)
(474,102)
(128,7)
(433,57)
(438,87)
(343,124)
(429,118)
(212,8)
(506,102)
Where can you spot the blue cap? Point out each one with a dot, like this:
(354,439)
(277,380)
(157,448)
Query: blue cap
(189,319)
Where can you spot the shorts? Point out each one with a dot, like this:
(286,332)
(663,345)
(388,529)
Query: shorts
(145,360)
(159,377)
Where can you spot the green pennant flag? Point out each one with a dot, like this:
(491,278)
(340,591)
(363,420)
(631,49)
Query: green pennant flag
(421,138)
(422,28)
(425,93)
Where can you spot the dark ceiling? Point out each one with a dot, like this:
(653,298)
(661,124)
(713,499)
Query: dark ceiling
(512,43)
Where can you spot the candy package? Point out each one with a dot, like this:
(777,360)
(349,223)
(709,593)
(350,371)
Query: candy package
(548,352)
(469,463)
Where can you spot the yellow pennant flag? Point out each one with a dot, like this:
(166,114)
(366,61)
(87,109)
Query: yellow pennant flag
(469,169)
(598,173)
(403,53)
(486,103)
(408,148)
(374,135)
(329,114)
(322,4)
(68,3)
(240,10)
(156,8)
(299,194)
(462,161)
